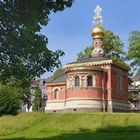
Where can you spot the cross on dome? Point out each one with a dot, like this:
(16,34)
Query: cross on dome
(98,19)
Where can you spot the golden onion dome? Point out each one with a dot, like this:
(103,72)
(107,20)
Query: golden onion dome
(98,31)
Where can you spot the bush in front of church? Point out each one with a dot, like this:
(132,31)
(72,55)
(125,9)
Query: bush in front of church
(9,100)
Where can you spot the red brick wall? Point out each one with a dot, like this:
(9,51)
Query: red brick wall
(61,94)
(107,80)
(117,93)
(83,93)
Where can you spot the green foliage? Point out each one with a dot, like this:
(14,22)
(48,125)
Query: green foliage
(138,71)
(134,50)
(130,74)
(131,96)
(112,45)
(59,72)
(70,126)
(23,51)
(86,53)
(26,97)
(37,101)
(9,100)
(24,86)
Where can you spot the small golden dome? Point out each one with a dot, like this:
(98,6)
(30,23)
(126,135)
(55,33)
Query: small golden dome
(98,31)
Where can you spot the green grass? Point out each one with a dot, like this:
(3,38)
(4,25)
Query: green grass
(71,126)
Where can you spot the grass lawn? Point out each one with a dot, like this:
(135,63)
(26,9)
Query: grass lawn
(70,126)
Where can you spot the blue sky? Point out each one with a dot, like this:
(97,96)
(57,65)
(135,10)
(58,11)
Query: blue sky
(70,30)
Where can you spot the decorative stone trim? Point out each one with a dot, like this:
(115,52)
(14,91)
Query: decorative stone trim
(97,63)
(58,83)
(83,68)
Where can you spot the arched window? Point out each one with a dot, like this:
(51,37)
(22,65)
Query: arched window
(89,81)
(56,93)
(77,81)
(44,82)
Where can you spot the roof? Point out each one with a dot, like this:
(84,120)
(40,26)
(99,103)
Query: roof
(49,79)
(57,80)
(91,59)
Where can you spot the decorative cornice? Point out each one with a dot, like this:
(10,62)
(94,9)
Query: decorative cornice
(57,83)
(96,63)
(88,64)
(84,68)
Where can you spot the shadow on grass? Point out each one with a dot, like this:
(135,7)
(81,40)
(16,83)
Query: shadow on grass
(107,133)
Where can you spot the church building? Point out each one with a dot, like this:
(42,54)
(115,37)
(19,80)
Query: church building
(95,84)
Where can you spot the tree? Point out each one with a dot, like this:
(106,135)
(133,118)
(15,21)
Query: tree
(59,72)
(37,101)
(23,51)
(9,100)
(86,53)
(112,45)
(134,51)
(133,56)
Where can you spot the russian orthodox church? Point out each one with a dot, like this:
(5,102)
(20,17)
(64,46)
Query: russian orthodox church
(92,84)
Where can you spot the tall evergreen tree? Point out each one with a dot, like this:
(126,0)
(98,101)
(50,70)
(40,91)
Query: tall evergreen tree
(37,101)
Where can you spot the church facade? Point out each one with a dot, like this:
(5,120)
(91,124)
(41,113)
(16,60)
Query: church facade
(93,84)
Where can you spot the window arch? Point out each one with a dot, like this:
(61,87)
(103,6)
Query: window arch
(56,91)
(89,80)
(77,81)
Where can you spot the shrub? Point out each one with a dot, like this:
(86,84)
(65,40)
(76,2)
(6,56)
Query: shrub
(9,100)
(37,102)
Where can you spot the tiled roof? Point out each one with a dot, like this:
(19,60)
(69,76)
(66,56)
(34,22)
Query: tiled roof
(91,59)
(59,79)
(49,79)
